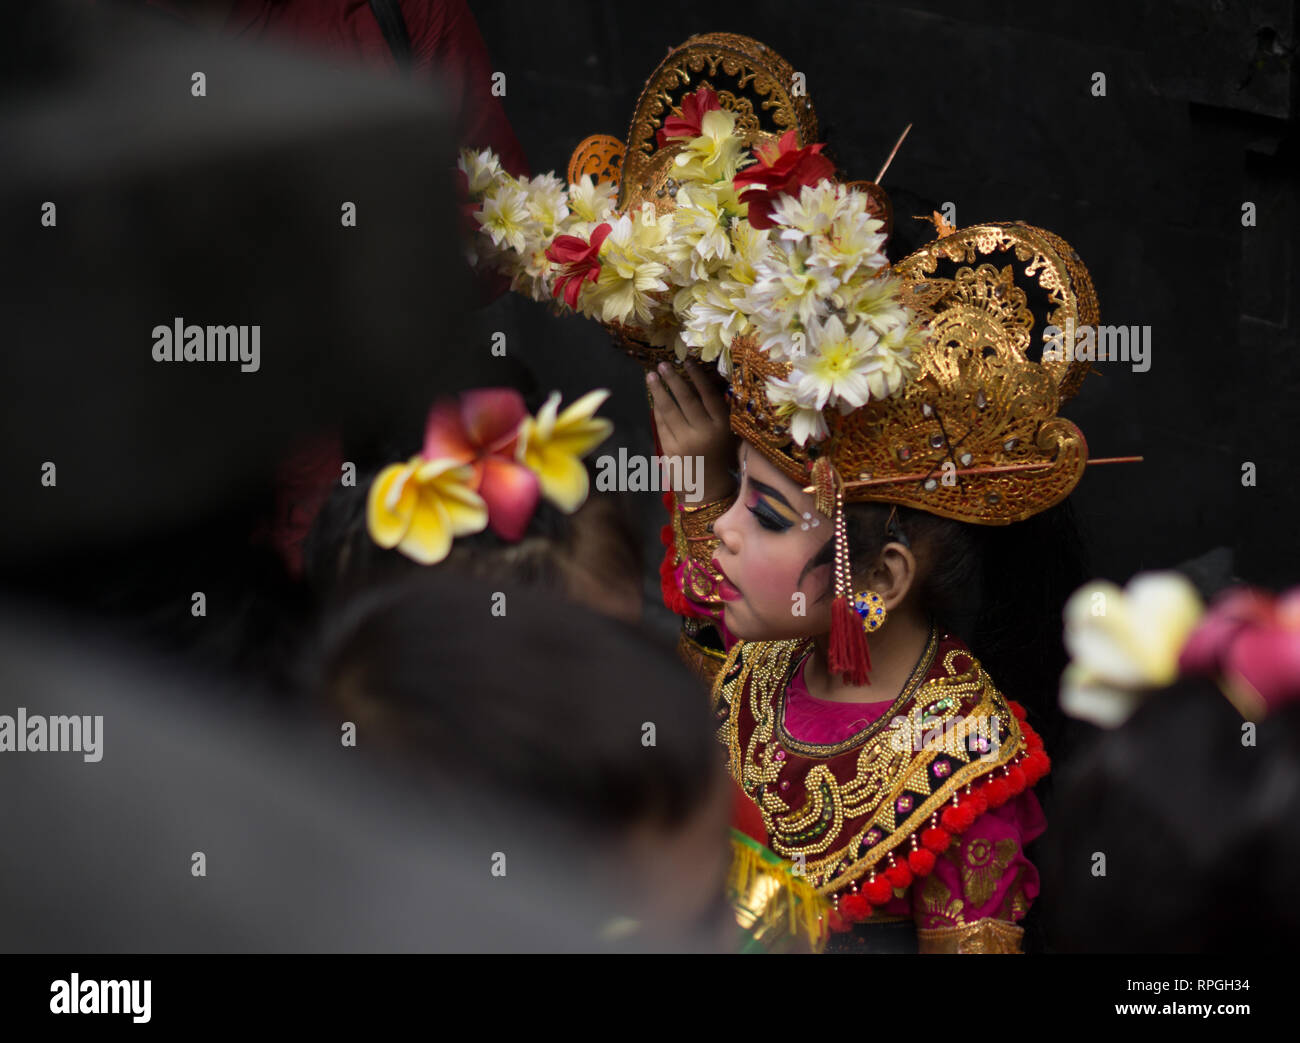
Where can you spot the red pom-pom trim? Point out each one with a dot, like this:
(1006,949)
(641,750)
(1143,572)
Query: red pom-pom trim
(997,793)
(899,874)
(837,923)
(936,839)
(958,819)
(1016,780)
(878,891)
(855,908)
(921,861)
(1016,709)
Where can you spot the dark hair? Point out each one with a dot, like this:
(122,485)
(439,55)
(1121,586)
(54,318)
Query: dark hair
(1197,830)
(539,702)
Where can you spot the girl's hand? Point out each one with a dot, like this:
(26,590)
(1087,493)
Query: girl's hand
(695,421)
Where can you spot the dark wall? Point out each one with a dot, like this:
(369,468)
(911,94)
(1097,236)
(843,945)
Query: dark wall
(1147,183)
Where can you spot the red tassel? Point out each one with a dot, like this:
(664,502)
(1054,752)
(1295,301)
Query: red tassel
(837,923)
(878,891)
(921,861)
(849,655)
(936,839)
(899,874)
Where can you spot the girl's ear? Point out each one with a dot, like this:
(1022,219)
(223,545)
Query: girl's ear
(893,575)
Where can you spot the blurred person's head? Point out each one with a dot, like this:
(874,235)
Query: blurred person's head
(591,556)
(1174,833)
(493,490)
(546,704)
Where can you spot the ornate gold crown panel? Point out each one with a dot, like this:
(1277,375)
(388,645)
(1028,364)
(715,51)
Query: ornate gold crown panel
(983,400)
(750,79)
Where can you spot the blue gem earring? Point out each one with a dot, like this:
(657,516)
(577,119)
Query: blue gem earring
(871,607)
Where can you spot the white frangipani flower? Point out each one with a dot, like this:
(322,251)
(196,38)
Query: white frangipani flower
(1125,643)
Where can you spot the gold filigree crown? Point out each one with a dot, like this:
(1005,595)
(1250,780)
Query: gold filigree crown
(974,434)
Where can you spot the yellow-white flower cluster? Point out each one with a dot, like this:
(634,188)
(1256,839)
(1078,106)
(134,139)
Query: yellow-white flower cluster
(814,289)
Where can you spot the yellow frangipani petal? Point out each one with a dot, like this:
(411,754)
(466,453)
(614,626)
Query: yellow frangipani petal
(465,508)
(391,504)
(444,468)
(428,540)
(583,408)
(580,439)
(563,478)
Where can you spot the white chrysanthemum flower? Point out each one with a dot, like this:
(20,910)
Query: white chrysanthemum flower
(716,154)
(887,371)
(811,213)
(854,245)
(481,169)
(787,288)
(749,248)
(505,217)
(806,421)
(873,301)
(835,365)
(700,241)
(592,201)
(628,274)
(532,270)
(547,201)
(712,321)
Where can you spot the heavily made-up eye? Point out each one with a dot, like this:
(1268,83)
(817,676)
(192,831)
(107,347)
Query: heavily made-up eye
(767,517)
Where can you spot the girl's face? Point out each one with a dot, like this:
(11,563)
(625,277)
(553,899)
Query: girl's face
(766,539)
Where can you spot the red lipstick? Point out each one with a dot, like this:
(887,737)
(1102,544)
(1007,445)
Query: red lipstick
(725,589)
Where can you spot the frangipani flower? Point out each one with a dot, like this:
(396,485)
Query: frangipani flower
(552,446)
(1125,643)
(1250,641)
(481,429)
(715,154)
(419,507)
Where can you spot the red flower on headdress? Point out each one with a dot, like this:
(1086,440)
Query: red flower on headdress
(1252,640)
(687,125)
(581,261)
(781,170)
(481,429)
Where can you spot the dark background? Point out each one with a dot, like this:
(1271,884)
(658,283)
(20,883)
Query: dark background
(1147,183)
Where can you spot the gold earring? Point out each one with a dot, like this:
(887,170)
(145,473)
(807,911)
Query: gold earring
(871,607)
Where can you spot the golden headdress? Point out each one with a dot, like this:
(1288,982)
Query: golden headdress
(718,231)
